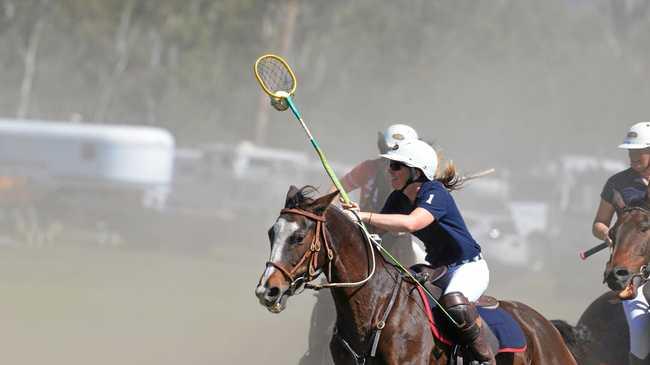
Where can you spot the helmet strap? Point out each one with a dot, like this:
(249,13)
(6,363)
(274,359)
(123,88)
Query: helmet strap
(410,180)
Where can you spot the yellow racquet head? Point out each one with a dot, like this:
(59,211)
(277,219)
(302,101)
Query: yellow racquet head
(275,76)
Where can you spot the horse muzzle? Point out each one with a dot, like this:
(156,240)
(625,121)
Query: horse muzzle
(274,299)
(617,278)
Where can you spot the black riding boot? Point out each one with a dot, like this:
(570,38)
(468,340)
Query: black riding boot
(468,331)
(636,361)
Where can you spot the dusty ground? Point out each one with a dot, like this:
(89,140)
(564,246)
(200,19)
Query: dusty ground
(93,306)
(71,305)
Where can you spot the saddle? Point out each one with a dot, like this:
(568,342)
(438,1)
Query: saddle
(433,278)
(502,332)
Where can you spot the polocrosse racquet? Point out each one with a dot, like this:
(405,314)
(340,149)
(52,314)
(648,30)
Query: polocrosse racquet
(279,82)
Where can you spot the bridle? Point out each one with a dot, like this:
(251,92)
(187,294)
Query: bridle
(644,271)
(320,239)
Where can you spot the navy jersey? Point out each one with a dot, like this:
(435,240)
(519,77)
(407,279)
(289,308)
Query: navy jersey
(628,183)
(447,240)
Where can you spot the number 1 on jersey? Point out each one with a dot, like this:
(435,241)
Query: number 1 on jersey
(430,199)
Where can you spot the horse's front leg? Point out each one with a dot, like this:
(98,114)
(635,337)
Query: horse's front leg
(407,339)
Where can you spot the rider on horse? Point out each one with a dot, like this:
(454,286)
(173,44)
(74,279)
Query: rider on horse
(422,204)
(629,185)
(373,180)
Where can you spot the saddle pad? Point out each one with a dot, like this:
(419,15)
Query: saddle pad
(505,328)
(511,337)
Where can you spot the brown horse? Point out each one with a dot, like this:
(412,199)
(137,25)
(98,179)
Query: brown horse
(627,267)
(380,317)
(601,335)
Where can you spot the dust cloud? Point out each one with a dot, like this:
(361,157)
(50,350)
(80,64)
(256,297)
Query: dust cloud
(541,91)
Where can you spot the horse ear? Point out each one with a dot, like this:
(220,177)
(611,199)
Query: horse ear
(619,203)
(290,195)
(320,205)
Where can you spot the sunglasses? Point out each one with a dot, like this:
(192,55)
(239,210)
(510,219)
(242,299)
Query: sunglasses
(396,166)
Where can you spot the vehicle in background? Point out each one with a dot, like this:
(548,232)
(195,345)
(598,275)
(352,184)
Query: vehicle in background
(93,179)
(223,189)
(532,218)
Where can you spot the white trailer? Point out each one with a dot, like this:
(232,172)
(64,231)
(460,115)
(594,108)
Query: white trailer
(100,153)
(82,174)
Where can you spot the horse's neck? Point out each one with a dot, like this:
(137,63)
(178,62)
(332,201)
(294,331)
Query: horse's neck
(353,254)
(356,307)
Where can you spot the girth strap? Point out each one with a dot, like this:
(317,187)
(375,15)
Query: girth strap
(381,324)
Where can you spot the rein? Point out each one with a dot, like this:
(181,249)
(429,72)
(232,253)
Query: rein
(321,234)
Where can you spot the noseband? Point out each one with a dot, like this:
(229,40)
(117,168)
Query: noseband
(311,256)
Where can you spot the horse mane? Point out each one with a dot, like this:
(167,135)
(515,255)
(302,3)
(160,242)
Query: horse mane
(301,198)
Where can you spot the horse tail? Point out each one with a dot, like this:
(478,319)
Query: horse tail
(577,338)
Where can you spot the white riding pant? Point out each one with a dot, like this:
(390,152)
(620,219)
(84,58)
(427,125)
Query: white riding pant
(638,320)
(471,279)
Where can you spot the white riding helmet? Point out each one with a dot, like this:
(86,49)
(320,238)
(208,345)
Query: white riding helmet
(397,133)
(416,154)
(637,137)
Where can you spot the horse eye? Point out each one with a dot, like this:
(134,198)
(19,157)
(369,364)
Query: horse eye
(296,238)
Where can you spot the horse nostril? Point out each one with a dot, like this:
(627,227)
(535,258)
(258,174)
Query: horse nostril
(273,292)
(621,273)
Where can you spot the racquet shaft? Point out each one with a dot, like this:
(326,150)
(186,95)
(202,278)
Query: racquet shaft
(320,153)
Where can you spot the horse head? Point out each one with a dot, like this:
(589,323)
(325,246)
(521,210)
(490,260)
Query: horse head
(299,248)
(631,252)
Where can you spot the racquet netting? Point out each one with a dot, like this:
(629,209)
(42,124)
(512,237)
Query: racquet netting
(274,75)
